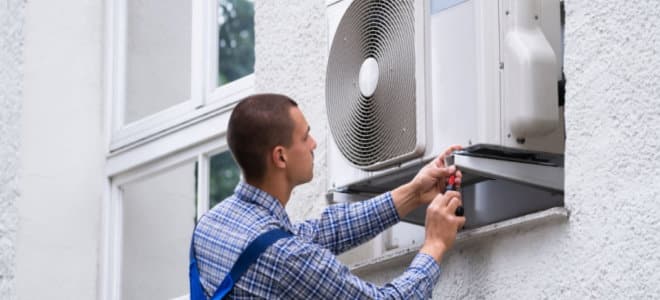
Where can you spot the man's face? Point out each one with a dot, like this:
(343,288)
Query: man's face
(300,155)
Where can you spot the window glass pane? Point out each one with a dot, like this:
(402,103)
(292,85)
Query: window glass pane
(158,219)
(158,59)
(236,39)
(225,175)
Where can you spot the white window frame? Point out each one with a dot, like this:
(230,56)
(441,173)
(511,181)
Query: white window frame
(111,244)
(189,131)
(205,97)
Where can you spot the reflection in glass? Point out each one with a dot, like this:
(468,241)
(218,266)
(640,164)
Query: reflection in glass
(236,39)
(224,176)
(158,57)
(157,222)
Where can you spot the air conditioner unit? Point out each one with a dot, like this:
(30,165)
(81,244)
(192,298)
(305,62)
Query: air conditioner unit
(407,78)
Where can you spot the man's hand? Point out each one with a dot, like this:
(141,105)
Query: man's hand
(432,178)
(442,224)
(428,183)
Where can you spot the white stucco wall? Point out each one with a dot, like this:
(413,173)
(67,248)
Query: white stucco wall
(61,153)
(11,73)
(608,247)
(291,55)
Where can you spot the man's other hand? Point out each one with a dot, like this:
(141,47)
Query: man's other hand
(442,224)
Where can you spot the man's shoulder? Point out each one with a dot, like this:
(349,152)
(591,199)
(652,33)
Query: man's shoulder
(235,222)
(231,214)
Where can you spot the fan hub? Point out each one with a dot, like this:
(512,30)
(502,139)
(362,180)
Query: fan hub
(368,77)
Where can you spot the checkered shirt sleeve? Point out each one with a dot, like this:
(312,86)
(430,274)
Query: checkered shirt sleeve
(311,271)
(346,225)
(303,266)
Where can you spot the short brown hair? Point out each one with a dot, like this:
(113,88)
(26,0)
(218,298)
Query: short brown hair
(258,124)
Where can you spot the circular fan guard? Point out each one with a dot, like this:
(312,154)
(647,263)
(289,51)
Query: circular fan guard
(378,129)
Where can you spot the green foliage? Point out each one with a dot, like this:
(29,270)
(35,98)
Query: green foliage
(236,39)
(224,176)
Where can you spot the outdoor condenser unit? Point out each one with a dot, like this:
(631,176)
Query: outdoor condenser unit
(407,78)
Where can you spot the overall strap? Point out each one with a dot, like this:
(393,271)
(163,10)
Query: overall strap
(245,260)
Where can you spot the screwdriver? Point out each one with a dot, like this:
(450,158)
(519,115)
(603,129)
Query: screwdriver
(451,186)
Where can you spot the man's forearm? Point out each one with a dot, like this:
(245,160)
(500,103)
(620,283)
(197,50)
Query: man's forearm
(406,199)
(342,226)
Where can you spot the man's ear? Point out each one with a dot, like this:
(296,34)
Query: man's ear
(278,157)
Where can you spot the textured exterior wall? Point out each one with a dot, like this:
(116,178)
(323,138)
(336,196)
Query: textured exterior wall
(11,73)
(62,157)
(291,55)
(608,247)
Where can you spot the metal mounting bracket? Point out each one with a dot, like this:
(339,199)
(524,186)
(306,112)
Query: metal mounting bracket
(546,176)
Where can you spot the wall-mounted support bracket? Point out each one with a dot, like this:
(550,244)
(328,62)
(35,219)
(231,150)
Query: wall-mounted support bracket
(541,175)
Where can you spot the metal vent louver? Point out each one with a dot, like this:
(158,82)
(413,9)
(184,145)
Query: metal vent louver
(370,88)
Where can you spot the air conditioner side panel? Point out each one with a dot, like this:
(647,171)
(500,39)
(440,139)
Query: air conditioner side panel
(454,86)
(488,74)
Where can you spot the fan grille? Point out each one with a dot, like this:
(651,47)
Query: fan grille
(379,128)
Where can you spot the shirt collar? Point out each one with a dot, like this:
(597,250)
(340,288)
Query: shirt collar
(251,194)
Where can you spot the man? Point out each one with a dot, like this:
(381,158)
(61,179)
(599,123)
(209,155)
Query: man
(270,140)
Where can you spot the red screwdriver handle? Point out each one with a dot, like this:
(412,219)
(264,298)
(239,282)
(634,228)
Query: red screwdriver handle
(451,186)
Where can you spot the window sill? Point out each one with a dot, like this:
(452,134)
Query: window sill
(400,255)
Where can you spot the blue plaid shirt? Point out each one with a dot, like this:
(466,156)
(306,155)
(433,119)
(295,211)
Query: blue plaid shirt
(303,266)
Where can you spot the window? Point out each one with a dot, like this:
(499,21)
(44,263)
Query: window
(153,264)
(173,63)
(158,58)
(174,71)
(150,216)
(157,209)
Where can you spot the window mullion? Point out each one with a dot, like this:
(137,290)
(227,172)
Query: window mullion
(202,185)
(211,26)
(117,226)
(198,50)
(119,65)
